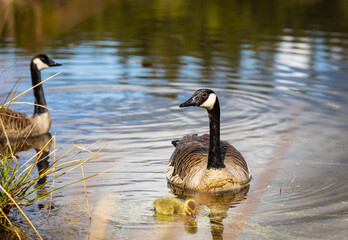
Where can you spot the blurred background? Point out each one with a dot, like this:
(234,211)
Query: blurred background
(128,64)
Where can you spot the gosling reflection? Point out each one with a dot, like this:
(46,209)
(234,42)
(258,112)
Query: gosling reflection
(169,209)
(40,143)
(218,204)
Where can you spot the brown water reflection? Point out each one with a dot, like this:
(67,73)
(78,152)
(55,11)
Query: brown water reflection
(129,64)
(218,204)
(41,144)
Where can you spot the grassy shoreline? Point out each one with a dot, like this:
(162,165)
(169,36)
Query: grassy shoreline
(21,178)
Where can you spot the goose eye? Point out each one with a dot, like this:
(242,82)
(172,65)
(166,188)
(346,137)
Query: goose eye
(205,94)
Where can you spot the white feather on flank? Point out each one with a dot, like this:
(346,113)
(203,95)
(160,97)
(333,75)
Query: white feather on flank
(40,64)
(209,103)
(211,180)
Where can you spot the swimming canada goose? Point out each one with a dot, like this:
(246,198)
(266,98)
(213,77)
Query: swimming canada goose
(21,125)
(171,206)
(204,163)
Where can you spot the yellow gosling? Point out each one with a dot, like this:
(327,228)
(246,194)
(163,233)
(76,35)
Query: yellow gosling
(171,206)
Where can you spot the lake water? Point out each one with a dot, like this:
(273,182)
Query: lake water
(279,69)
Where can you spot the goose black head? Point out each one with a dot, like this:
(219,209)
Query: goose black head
(204,98)
(42,61)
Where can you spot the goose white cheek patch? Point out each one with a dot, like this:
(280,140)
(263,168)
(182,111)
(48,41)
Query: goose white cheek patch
(209,103)
(40,64)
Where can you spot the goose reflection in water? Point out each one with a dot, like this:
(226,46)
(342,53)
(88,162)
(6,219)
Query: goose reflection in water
(218,204)
(40,143)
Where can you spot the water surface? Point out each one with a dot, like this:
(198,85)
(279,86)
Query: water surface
(280,72)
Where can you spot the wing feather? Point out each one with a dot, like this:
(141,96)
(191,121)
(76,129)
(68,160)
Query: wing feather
(190,152)
(14,121)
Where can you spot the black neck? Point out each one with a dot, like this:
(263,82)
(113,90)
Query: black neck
(38,90)
(214,157)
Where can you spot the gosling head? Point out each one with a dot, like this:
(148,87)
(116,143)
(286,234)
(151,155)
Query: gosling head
(190,206)
(204,98)
(42,61)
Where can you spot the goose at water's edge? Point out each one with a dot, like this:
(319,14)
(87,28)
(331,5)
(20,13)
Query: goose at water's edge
(19,125)
(204,163)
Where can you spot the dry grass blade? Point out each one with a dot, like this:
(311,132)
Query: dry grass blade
(3,83)
(28,103)
(50,171)
(12,91)
(8,220)
(14,98)
(21,211)
(80,180)
(84,185)
(7,140)
(82,162)
(38,155)
(54,173)
(83,176)
(86,148)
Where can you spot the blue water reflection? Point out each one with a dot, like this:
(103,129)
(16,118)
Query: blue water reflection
(127,68)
